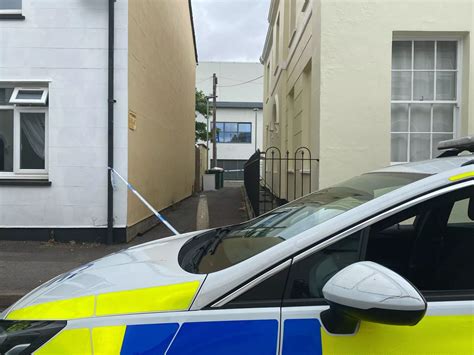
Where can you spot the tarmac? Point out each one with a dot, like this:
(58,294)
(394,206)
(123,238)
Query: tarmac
(26,265)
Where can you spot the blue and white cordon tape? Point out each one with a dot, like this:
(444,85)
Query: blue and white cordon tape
(146,203)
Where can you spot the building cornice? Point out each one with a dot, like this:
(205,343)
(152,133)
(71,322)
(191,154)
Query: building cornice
(272,13)
(193,31)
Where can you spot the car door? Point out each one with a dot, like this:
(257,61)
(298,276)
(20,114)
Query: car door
(430,243)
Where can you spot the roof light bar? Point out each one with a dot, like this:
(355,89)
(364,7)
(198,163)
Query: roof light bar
(460,144)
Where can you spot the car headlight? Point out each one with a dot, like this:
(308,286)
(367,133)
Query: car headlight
(24,337)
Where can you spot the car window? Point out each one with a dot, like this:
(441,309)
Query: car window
(224,247)
(435,251)
(308,276)
(424,243)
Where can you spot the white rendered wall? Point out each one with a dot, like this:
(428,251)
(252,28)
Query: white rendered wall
(238,151)
(66,43)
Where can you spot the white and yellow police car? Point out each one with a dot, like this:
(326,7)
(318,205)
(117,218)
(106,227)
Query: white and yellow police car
(380,264)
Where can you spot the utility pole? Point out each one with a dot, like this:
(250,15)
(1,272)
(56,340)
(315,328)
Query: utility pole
(214,123)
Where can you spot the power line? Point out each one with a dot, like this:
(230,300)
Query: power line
(245,82)
(203,80)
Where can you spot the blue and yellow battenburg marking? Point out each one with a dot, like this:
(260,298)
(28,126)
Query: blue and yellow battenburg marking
(177,297)
(435,334)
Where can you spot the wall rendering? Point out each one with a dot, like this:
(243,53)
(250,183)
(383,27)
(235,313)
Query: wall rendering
(162,67)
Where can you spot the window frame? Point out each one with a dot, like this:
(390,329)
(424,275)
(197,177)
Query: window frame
(13,14)
(42,101)
(238,131)
(457,104)
(362,227)
(17,139)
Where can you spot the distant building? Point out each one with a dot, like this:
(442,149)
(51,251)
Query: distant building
(239,111)
(365,84)
(54,144)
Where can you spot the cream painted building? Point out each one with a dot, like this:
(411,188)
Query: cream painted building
(364,84)
(63,99)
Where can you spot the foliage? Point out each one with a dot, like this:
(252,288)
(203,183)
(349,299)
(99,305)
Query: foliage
(201,107)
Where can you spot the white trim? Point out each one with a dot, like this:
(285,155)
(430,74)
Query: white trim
(10,12)
(17,149)
(457,115)
(42,101)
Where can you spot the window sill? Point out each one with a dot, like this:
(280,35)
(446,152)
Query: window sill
(11,17)
(24,182)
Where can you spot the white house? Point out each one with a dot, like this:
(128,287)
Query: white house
(76,97)
(239,111)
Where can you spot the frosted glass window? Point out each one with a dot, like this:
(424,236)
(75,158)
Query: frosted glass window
(424,54)
(425,97)
(447,55)
(420,146)
(443,118)
(401,55)
(423,86)
(446,86)
(401,85)
(420,118)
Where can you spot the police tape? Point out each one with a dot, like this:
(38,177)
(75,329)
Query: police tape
(233,171)
(145,202)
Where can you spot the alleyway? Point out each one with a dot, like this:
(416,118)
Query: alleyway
(26,265)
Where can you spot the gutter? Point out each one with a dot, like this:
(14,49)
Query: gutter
(110,126)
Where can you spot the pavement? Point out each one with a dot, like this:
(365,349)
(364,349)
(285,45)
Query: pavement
(26,265)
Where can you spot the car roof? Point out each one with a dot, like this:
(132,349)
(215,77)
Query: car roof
(430,167)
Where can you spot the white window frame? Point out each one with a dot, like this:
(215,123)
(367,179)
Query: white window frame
(457,114)
(41,101)
(18,173)
(12,11)
(17,139)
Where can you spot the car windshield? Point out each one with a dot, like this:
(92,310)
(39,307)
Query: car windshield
(223,247)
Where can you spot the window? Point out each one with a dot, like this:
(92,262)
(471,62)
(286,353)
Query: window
(30,96)
(223,247)
(234,132)
(292,21)
(425,97)
(10,7)
(430,244)
(23,133)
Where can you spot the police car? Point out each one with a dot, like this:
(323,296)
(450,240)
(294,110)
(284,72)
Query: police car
(379,264)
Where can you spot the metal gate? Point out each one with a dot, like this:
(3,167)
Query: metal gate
(272,180)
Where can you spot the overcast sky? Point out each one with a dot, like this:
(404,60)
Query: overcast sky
(230,30)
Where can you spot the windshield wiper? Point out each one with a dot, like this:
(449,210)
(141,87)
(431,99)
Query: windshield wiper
(217,240)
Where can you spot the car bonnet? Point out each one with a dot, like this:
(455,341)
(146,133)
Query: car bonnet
(141,279)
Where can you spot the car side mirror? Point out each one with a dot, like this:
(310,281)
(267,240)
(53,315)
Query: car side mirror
(366,291)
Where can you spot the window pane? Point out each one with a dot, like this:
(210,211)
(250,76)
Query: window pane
(399,147)
(245,137)
(443,120)
(32,140)
(446,86)
(228,137)
(424,55)
(220,126)
(308,276)
(10,4)
(447,55)
(29,95)
(231,127)
(5,95)
(399,117)
(401,85)
(439,138)
(420,148)
(401,55)
(420,120)
(6,141)
(245,127)
(423,86)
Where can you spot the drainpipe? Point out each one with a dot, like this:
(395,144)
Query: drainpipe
(110,126)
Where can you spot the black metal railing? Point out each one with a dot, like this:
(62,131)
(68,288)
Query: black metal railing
(272,180)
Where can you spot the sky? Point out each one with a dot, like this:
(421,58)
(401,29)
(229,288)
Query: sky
(230,30)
